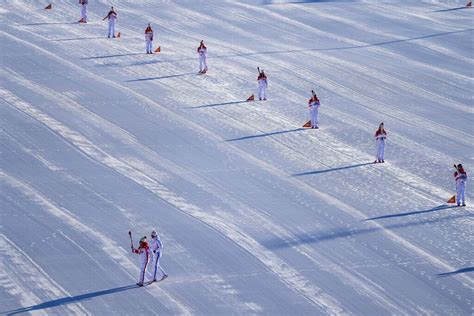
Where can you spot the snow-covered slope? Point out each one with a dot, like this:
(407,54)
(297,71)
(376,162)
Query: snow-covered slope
(257,215)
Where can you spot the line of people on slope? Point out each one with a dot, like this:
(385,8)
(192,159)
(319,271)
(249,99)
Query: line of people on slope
(150,259)
(150,255)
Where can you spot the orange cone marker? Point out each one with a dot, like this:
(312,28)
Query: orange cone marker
(118,34)
(251,98)
(452,200)
(307,124)
(469,4)
(49,7)
(158,49)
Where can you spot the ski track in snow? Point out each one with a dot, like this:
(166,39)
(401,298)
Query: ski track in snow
(289,276)
(108,245)
(126,138)
(420,181)
(398,114)
(76,139)
(461,136)
(23,270)
(213,282)
(362,100)
(226,223)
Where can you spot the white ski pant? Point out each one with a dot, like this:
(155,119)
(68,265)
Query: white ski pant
(460,190)
(149,47)
(380,143)
(155,266)
(111,28)
(143,266)
(84,12)
(314,116)
(202,63)
(262,91)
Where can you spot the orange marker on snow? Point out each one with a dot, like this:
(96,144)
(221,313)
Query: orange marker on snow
(452,200)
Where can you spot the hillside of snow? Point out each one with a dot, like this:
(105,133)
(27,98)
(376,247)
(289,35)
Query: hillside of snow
(257,215)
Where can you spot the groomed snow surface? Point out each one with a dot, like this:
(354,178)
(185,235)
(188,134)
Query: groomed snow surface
(257,215)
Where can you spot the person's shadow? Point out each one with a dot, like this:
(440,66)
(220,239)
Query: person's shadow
(69,300)
(162,77)
(266,134)
(434,209)
(452,9)
(331,169)
(464,270)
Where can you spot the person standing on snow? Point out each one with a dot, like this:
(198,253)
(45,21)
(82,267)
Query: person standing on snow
(460,176)
(149,39)
(262,85)
(380,136)
(83,4)
(156,248)
(144,254)
(313,105)
(202,51)
(112,16)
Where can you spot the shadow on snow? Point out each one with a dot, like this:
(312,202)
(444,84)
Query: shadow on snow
(70,300)
(434,209)
(452,9)
(76,39)
(339,233)
(266,2)
(238,55)
(332,169)
(266,134)
(464,270)
(162,77)
(217,104)
(112,56)
(50,23)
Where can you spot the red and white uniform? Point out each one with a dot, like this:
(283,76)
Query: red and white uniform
(202,51)
(380,136)
(262,86)
(156,252)
(83,4)
(149,39)
(313,105)
(460,176)
(112,17)
(144,254)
